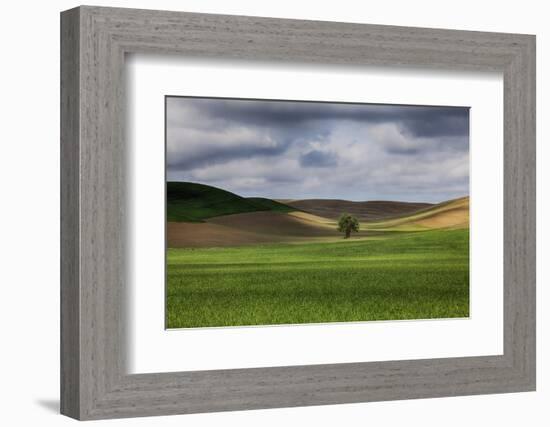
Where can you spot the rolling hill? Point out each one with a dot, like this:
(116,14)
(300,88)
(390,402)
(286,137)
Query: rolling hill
(364,211)
(192,202)
(450,214)
(203,216)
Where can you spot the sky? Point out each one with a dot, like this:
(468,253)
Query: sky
(305,150)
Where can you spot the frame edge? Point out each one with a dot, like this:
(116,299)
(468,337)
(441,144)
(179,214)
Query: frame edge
(70,395)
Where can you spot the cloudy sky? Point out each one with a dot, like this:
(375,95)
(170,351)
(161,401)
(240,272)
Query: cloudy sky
(298,150)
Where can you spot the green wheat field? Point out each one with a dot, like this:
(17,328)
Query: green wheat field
(234,261)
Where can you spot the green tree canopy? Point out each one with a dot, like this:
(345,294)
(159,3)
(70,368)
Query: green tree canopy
(348,223)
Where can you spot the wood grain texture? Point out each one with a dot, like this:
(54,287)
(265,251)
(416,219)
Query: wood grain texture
(94,382)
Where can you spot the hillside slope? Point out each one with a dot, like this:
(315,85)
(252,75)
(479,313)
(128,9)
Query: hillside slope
(192,202)
(249,228)
(450,214)
(276,224)
(364,211)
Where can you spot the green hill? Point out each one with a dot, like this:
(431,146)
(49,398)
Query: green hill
(192,202)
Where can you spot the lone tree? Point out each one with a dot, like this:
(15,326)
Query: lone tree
(348,223)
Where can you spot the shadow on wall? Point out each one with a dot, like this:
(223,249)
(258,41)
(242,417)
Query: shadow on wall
(51,405)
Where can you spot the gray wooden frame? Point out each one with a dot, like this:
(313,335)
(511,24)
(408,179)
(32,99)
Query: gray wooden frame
(94,382)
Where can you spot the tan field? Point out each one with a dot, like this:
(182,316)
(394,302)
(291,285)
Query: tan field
(451,214)
(277,227)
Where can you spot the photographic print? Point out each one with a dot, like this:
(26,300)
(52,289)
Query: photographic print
(297,212)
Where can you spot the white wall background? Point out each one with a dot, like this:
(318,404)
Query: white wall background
(29,224)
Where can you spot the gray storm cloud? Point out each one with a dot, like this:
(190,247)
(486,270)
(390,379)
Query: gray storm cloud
(285,149)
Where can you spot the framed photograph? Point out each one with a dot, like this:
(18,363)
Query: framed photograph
(299,212)
(262,213)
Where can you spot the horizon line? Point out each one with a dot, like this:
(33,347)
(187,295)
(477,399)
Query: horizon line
(278,199)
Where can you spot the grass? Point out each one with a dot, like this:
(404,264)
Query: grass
(418,275)
(192,202)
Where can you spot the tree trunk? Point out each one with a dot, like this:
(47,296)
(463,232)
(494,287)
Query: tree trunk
(348,232)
